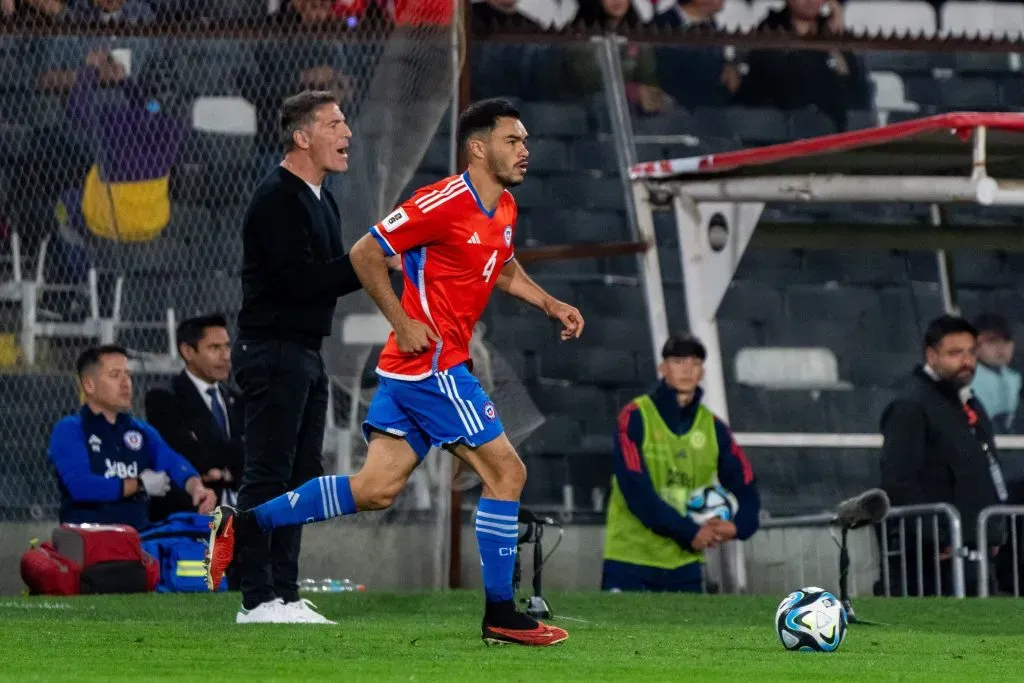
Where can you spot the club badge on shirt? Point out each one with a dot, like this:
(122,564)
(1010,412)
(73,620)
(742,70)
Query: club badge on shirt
(133,440)
(508,235)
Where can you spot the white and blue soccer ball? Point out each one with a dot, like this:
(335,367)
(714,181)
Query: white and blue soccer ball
(712,501)
(811,620)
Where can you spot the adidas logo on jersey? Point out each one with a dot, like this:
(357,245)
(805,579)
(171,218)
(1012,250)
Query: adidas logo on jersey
(475,239)
(293,498)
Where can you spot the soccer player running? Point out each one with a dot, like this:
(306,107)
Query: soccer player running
(455,238)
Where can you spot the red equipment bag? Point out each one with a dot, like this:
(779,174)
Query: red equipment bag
(90,559)
(47,572)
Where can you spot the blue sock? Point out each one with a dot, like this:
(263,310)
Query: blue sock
(316,500)
(497,533)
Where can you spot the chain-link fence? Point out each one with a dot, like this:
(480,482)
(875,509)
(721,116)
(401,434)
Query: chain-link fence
(130,144)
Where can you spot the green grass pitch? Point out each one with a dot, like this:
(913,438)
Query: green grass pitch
(436,637)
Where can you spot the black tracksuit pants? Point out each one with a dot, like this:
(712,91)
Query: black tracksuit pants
(285,390)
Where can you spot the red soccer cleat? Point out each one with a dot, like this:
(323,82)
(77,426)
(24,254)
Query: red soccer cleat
(221,549)
(541,635)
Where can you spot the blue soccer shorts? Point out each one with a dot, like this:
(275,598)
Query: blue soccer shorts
(446,408)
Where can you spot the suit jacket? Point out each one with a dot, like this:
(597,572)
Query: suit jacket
(181,416)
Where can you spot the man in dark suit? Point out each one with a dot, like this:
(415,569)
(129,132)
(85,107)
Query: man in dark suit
(199,415)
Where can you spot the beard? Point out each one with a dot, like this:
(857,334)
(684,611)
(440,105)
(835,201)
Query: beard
(505,176)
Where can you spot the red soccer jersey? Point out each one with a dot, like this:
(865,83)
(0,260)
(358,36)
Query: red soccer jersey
(452,253)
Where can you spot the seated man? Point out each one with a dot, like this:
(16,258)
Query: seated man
(667,447)
(108,463)
(199,415)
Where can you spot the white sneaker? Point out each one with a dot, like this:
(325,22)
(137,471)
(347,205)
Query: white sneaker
(269,612)
(304,612)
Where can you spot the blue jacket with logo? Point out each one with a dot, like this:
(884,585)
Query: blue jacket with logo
(93,458)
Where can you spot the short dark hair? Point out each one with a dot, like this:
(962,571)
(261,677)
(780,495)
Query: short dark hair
(482,117)
(683,345)
(191,330)
(943,326)
(994,323)
(89,359)
(298,111)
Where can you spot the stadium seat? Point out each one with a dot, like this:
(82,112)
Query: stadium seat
(224,115)
(676,122)
(902,62)
(982,19)
(752,125)
(908,17)
(810,123)
(217,148)
(859,119)
(580,225)
(559,434)
(592,155)
(734,335)
(531,194)
(602,367)
(751,301)
(858,411)
(831,302)
(954,93)
(548,155)
(736,15)
(984,63)
(982,268)
(890,93)
(587,192)
(581,401)
(615,333)
(881,369)
(437,159)
(623,301)
(548,119)
(779,367)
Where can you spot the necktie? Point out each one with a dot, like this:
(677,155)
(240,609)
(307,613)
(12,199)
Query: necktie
(218,412)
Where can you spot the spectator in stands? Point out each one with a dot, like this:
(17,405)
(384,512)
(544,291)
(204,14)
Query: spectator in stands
(108,463)
(667,447)
(939,447)
(200,415)
(583,72)
(137,138)
(695,76)
(96,11)
(286,67)
(687,13)
(833,82)
(490,15)
(996,384)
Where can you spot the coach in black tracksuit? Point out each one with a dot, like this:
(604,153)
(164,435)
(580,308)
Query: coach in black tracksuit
(939,447)
(294,270)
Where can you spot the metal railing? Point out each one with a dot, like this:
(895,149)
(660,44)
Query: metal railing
(908,565)
(955,544)
(1013,513)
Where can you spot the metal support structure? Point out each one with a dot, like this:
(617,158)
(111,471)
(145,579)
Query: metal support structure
(638,207)
(712,239)
(1013,513)
(851,189)
(945,266)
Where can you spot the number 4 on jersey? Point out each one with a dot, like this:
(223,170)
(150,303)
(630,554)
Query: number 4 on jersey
(491,262)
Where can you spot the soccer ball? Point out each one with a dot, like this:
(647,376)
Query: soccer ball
(811,620)
(712,501)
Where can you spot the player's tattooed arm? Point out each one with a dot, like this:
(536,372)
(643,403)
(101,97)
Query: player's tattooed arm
(514,281)
(371,266)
